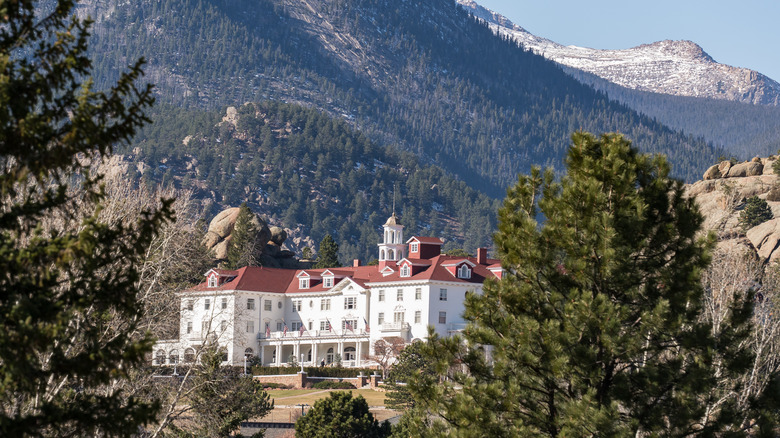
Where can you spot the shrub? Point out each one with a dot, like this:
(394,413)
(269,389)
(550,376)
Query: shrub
(271,385)
(756,212)
(332,384)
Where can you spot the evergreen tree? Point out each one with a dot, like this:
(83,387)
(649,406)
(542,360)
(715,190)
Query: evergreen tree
(328,256)
(756,212)
(595,327)
(245,247)
(410,362)
(340,416)
(66,276)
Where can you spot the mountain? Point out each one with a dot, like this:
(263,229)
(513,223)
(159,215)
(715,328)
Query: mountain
(678,68)
(309,172)
(423,76)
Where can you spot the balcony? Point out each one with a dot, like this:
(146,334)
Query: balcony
(394,326)
(313,334)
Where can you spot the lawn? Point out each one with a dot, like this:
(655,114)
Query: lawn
(288,397)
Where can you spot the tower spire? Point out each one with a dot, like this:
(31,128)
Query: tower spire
(394,184)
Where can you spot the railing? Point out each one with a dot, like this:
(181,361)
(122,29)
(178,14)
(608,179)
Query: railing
(309,334)
(394,326)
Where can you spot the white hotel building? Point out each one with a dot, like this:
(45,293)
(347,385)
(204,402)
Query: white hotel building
(315,314)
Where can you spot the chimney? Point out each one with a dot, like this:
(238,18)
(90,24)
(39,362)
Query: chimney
(356,263)
(482,256)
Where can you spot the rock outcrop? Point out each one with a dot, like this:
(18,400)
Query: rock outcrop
(721,195)
(273,254)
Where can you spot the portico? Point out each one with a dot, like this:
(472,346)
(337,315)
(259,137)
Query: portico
(278,348)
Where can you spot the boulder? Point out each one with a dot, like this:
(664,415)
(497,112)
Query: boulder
(286,254)
(756,160)
(223,223)
(220,250)
(764,237)
(278,235)
(724,167)
(211,239)
(745,169)
(272,249)
(270,262)
(712,173)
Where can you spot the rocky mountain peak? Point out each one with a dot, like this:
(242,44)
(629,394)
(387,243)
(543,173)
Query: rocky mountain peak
(679,68)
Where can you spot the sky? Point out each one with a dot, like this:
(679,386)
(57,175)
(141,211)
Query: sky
(738,33)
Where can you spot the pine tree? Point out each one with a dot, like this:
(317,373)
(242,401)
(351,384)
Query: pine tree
(595,327)
(410,362)
(244,248)
(328,256)
(340,415)
(66,277)
(756,212)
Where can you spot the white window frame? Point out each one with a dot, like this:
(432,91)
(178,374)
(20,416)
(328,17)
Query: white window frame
(213,281)
(381,295)
(325,304)
(464,271)
(303,283)
(417,317)
(406,271)
(250,304)
(323,325)
(190,304)
(442,317)
(350,303)
(381,318)
(189,327)
(442,294)
(206,304)
(224,303)
(250,326)
(327,281)
(399,316)
(418,293)
(297,305)
(268,305)
(414,247)
(399,295)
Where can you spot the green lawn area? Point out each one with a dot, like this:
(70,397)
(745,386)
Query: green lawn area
(309,396)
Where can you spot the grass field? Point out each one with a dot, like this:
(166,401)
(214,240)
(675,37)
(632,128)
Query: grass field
(289,397)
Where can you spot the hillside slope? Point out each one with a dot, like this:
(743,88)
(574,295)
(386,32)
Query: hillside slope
(423,75)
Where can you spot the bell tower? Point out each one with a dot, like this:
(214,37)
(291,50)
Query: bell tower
(392,247)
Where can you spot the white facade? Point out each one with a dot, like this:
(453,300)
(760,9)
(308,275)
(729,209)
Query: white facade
(315,316)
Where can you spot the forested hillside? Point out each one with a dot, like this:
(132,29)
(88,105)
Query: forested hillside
(742,129)
(298,166)
(420,74)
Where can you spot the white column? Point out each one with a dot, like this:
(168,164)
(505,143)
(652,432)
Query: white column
(297,350)
(358,352)
(278,353)
(341,350)
(314,358)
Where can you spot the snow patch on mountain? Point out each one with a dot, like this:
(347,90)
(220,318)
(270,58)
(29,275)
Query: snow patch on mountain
(680,68)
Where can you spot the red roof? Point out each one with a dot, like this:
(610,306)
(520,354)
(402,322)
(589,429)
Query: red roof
(433,240)
(262,279)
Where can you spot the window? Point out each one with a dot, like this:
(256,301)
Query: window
(207,304)
(279,326)
(350,302)
(464,271)
(204,326)
(303,283)
(349,324)
(160,357)
(399,295)
(173,357)
(296,325)
(324,326)
(381,318)
(189,327)
(325,304)
(190,304)
(213,281)
(405,271)
(381,294)
(189,355)
(224,303)
(223,326)
(413,247)
(310,325)
(442,317)
(250,304)
(327,281)
(279,305)
(417,317)
(297,305)
(349,353)
(442,294)
(398,317)
(250,326)
(418,293)
(248,353)
(267,305)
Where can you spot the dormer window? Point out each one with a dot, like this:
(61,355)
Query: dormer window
(327,281)
(406,271)
(213,281)
(303,283)
(413,247)
(464,272)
